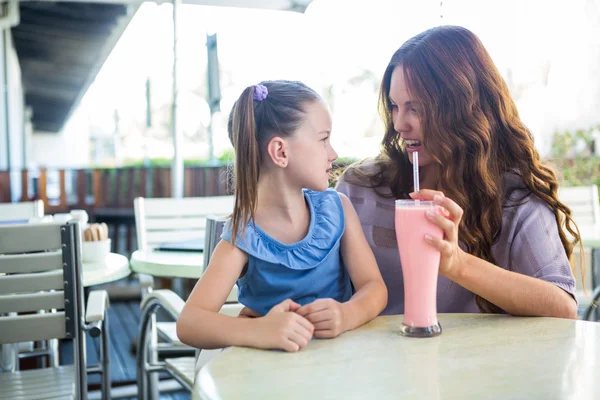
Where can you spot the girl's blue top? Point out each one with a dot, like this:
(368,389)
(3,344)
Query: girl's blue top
(304,271)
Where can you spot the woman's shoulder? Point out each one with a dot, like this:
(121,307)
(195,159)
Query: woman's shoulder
(359,172)
(363,179)
(520,203)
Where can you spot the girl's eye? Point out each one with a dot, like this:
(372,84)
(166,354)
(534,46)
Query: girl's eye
(325,139)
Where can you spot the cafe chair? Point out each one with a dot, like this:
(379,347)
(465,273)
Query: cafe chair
(592,311)
(585,207)
(182,369)
(41,298)
(20,212)
(161,220)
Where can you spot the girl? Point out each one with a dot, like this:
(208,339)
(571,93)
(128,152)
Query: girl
(295,248)
(505,247)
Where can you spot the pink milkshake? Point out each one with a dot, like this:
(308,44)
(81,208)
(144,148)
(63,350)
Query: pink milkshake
(420,264)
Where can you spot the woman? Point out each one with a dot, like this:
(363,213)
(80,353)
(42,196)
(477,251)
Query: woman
(505,248)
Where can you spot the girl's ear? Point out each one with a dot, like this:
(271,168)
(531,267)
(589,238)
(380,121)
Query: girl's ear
(277,150)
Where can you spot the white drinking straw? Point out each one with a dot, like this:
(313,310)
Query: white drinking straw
(416,170)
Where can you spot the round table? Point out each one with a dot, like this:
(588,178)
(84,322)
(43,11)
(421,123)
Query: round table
(477,356)
(114,267)
(172,264)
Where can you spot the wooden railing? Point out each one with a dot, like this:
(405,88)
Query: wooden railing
(107,194)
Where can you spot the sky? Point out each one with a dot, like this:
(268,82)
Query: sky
(545,48)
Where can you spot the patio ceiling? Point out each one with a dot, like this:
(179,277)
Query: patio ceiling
(61,46)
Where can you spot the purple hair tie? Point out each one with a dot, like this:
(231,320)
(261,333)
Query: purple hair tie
(260,92)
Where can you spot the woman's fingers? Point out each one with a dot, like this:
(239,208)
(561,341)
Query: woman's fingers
(456,212)
(447,226)
(426,194)
(440,199)
(443,246)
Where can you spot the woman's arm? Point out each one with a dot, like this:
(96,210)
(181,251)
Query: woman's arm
(331,318)
(515,293)
(201,326)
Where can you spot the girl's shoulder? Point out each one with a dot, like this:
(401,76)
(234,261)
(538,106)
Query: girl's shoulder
(325,231)
(327,210)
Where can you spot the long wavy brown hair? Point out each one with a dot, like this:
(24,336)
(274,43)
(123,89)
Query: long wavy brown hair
(472,131)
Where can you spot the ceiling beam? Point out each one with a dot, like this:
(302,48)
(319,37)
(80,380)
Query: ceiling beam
(283,5)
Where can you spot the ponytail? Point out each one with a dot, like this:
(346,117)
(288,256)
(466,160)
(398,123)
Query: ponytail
(247,161)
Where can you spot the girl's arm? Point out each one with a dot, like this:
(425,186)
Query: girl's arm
(371,294)
(331,318)
(200,325)
(515,293)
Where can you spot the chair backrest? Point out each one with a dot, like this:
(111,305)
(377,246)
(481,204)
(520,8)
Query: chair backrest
(585,207)
(21,211)
(40,270)
(214,228)
(168,220)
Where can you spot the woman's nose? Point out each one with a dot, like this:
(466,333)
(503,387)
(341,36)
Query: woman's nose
(400,122)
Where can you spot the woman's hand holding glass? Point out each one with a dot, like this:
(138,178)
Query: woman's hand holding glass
(448,218)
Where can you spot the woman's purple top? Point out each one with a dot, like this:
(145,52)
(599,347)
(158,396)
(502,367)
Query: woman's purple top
(528,244)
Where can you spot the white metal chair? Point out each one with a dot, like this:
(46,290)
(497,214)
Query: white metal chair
(168,220)
(159,220)
(21,212)
(40,269)
(585,207)
(181,369)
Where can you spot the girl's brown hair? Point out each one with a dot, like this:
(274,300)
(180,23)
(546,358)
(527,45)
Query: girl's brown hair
(472,131)
(252,124)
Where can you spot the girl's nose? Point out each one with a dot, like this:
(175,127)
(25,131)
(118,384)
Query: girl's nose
(333,155)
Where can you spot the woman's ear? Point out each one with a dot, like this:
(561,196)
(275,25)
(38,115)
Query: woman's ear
(278,151)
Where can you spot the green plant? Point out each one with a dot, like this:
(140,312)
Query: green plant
(581,167)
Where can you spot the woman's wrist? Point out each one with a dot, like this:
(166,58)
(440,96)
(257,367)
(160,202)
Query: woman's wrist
(460,268)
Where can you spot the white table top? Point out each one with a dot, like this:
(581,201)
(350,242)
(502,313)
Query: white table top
(477,356)
(172,264)
(114,267)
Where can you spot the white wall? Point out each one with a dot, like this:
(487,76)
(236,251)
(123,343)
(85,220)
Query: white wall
(60,150)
